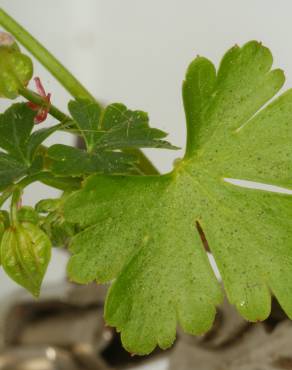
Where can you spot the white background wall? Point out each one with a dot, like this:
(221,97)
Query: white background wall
(136,52)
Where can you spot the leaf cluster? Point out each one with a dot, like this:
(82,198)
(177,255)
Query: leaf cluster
(28,234)
(143,234)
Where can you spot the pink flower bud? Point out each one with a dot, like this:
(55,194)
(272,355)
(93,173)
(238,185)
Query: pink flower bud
(42,110)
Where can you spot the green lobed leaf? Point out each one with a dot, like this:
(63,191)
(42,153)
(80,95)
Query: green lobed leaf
(16,136)
(124,128)
(16,69)
(105,132)
(116,127)
(22,155)
(25,254)
(69,161)
(141,231)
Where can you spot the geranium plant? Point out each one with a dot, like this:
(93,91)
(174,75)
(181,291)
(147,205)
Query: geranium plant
(143,232)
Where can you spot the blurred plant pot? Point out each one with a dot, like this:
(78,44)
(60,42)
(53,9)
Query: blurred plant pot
(64,329)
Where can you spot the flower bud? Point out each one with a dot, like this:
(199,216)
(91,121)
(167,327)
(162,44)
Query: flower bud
(25,254)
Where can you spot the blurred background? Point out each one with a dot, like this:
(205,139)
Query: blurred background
(136,52)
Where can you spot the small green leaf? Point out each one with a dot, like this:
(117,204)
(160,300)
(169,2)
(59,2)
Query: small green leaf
(10,170)
(16,125)
(55,226)
(116,127)
(69,161)
(20,159)
(86,115)
(47,205)
(37,165)
(25,254)
(61,182)
(105,134)
(123,128)
(28,214)
(140,231)
(16,70)
(37,138)
(58,230)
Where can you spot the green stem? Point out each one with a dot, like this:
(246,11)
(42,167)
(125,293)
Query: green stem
(70,83)
(66,122)
(16,196)
(145,165)
(61,183)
